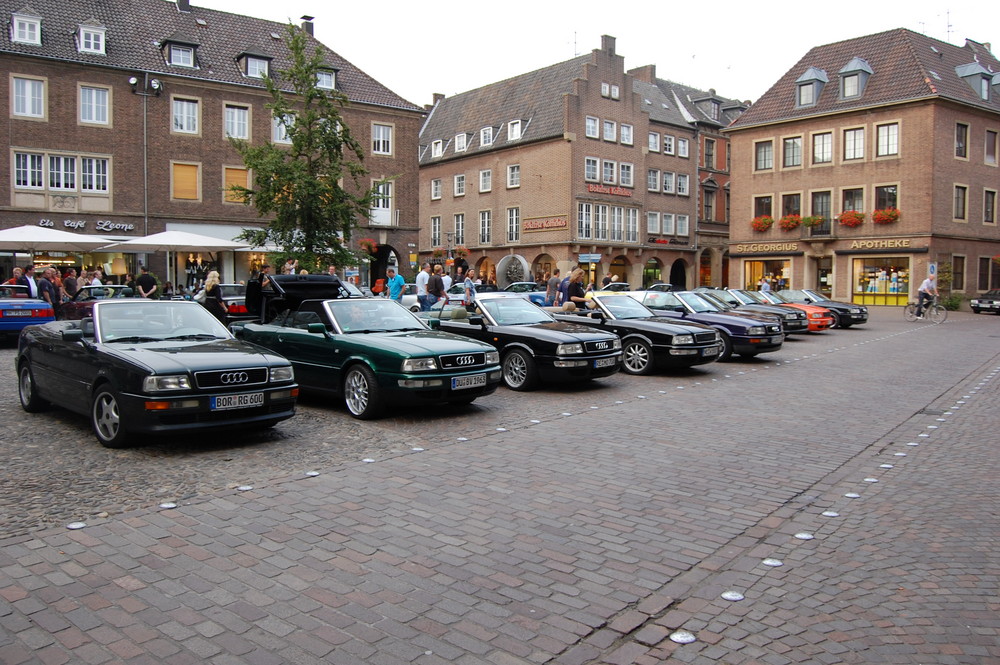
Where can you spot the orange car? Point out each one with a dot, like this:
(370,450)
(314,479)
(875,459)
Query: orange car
(819,318)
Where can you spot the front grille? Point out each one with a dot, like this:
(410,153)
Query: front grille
(705,337)
(602,346)
(463,360)
(231,378)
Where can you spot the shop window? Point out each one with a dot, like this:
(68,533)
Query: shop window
(881,280)
(774,272)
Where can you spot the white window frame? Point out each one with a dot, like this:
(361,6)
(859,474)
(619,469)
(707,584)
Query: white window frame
(459,228)
(668,223)
(668,182)
(854,150)
(617,224)
(95,111)
(605,89)
(615,92)
(513,176)
(382,138)
(326,79)
(653,142)
(887,139)
(514,224)
(62,173)
(683,225)
(682,184)
(437,148)
(600,221)
(279,128)
(668,144)
(461,142)
(436,230)
(182,120)
(513,130)
(485,181)
(584,221)
(236,121)
(591,169)
(653,180)
(30,101)
(435,189)
(609,172)
(26,29)
(29,170)
(631,225)
(94,175)
(485,227)
(257,68)
(850,86)
(91,39)
(653,222)
(382,195)
(181,56)
(626,134)
(625,174)
(592,127)
(459,185)
(609,130)
(683,148)
(486,136)
(825,153)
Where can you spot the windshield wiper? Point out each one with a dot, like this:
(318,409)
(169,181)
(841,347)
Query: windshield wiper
(195,336)
(135,339)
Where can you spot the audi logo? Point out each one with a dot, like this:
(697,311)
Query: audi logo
(602,345)
(230,378)
(465,360)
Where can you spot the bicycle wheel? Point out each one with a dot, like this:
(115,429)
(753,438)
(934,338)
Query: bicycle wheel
(938,314)
(910,312)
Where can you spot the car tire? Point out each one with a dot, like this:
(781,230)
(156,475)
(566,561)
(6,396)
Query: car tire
(362,395)
(519,371)
(105,419)
(975,311)
(836,320)
(637,357)
(727,346)
(30,401)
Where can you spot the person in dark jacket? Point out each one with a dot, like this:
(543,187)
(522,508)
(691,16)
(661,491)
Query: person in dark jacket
(213,297)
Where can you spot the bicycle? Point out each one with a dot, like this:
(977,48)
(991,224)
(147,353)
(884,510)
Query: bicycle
(933,311)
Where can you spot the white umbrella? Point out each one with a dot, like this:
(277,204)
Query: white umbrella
(30,238)
(175,241)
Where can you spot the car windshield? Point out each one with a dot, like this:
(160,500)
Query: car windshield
(795,294)
(368,315)
(775,298)
(514,311)
(103,292)
(625,307)
(697,303)
(522,287)
(233,290)
(616,286)
(140,320)
(662,300)
(816,295)
(717,300)
(13,291)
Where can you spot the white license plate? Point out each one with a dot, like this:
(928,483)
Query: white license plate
(241,401)
(710,351)
(604,362)
(17,312)
(471,381)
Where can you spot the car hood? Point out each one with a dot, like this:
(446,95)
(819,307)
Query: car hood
(559,331)
(419,342)
(729,320)
(663,324)
(182,357)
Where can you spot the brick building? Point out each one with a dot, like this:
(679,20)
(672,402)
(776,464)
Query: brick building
(891,121)
(582,163)
(119,117)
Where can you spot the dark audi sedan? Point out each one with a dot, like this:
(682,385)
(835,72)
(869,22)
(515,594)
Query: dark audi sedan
(845,314)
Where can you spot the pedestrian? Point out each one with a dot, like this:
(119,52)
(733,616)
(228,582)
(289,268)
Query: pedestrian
(146,284)
(96,279)
(47,288)
(70,286)
(396,284)
(332,270)
(470,290)
(575,291)
(213,297)
(435,286)
(606,280)
(423,277)
(28,279)
(447,280)
(926,292)
(16,274)
(564,288)
(265,277)
(291,266)
(764,284)
(552,288)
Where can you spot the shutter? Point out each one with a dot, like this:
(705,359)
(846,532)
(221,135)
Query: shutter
(186,181)
(234,176)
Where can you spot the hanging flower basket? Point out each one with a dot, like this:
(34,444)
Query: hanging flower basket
(790,222)
(438,252)
(886,216)
(368,244)
(460,252)
(813,220)
(762,223)
(852,218)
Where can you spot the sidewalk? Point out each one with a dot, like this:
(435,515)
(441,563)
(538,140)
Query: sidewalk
(586,537)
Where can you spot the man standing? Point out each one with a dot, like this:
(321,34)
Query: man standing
(435,286)
(265,277)
(447,280)
(423,277)
(926,293)
(552,289)
(396,284)
(47,288)
(146,284)
(69,283)
(332,271)
(28,279)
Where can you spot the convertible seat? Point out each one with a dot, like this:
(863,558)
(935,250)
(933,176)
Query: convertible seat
(569,307)
(459,313)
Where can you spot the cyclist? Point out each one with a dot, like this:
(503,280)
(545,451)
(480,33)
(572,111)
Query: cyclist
(927,292)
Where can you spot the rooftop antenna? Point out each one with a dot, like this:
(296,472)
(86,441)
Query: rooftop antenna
(948,23)
(575,51)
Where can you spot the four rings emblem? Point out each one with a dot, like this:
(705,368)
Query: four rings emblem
(465,360)
(601,345)
(230,378)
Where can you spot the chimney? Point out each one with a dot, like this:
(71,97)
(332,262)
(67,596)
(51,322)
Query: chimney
(307,24)
(184,5)
(646,73)
(608,44)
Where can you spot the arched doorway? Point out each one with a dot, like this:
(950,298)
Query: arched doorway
(619,269)
(652,273)
(678,275)
(486,270)
(512,268)
(542,264)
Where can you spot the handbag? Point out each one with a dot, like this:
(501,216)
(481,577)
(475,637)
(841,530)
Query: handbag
(201,296)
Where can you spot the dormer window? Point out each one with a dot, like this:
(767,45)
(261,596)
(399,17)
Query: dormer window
(978,77)
(513,130)
(182,56)
(91,39)
(326,79)
(256,67)
(486,136)
(461,142)
(853,78)
(809,86)
(437,148)
(26,29)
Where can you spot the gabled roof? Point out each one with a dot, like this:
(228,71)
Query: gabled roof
(678,104)
(904,66)
(137,30)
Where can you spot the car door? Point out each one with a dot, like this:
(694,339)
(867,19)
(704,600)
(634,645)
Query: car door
(316,356)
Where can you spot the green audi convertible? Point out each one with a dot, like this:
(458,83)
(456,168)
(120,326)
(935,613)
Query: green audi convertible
(372,351)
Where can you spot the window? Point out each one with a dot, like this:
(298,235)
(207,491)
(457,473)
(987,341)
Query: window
(381,210)
(763,205)
(806,94)
(605,89)
(625,175)
(682,184)
(236,121)
(460,228)
(854,143)
(592,127)
(94,105)
(708,206)
(182,56)
(682,148)
(600,222)
(709,153)
(615,92)
(821,205)
(961,141)
(326,80)
(683,225)
(91,39)
(957,273)
(28,171)
(851,85)
(437,148)
(485,226)
(513,224)
(29,97)
(886,197)
(435,230)
(631,225)
(184,183)
(460,184)
(461,142)
(381,139)
(763,156)
(280,128)
(792,151)
(668,182)
(961,197)
(653,180)
(654,142)
(991,147)
(62,172)
(234,176)
(668,224)
(887,140)
(486,136)
(610,130)
(626,133)
(989,271)
(185,116)
(27,29)
(822,148)
(590,167)
(610,172)
(435,189)
(485,180)
(256,67)
(989,206)
(617,223)
(513,176)
(668,144)
(652,222)
(584,220)
(853,199)
(513,130)
(791,204)
(94,175)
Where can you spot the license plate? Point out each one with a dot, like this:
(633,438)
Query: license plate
(605,362)
(471,381)
(18,312)
(241,401)
(710,351)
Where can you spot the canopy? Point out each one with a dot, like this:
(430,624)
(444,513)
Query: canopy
(30,238)
(176,241)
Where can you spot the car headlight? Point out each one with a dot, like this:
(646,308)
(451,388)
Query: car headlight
(791,317)
(683,339)
(855,310)
(617,344)
(569,349)
(419,364)
(283,373)
(155,384)
(815,315)
(757,330)
(492,357)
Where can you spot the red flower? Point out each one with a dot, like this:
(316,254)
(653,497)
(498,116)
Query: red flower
(762,223)
(790,222)
(886,216)
(852,218)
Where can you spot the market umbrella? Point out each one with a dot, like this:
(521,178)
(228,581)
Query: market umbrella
(31,238)
(175,241)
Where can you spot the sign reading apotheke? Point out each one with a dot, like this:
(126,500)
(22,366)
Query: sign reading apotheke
(101,225)
(886,243)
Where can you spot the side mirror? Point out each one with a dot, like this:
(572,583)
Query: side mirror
(316,328)
(477,320)
(72,335)
(433,324)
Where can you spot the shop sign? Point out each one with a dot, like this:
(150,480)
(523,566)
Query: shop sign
(888,243)
(589,258)
(102,225)
(658,241)
(614,191)
(545,223)
(768,247)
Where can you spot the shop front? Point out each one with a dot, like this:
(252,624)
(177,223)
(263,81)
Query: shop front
(883,269)
(777,264)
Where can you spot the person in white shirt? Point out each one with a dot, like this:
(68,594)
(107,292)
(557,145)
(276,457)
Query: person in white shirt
(927,292)
(97,278)
(447,280)
(421,281)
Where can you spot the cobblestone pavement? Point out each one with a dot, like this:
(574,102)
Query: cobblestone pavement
(587,524)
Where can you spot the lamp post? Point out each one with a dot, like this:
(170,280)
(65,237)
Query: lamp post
(151,87)
(449,261)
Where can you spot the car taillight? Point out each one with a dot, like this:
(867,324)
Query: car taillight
(237,309)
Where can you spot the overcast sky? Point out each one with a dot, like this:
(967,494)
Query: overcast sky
(738,48)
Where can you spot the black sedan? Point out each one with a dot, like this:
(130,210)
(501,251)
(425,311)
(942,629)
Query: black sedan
(792,320)
(743,334)
(649,341)
(845,314)
(986,302)
(533,345)
(141,367)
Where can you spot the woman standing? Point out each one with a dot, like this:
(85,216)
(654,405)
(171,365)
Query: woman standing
(213,297)
(576,293)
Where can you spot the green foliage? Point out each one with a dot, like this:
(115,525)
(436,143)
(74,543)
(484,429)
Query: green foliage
(951,303)
(313,187)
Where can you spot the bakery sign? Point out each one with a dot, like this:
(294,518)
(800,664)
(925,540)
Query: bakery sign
(545,223)
(614,191)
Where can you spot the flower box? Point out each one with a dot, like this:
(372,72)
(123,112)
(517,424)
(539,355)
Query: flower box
(790,222)
(886,216)
(851,218)
(368,244)
(762,223)
(813,220)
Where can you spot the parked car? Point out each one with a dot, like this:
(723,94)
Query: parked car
(649,341)
(146,367)
(845,314)
(234,296)
(742,334)
(660,286)
(987,302)
(456,292)
(534,347)
(615,287)
(792,320)
(533,291)
(409,300)
(17,310)
(371,351)
(81,305)
(819,318)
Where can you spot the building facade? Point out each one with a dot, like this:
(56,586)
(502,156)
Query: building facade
(876,160)
(580,163)
(120,119)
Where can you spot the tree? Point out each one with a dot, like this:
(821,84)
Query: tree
(311,184)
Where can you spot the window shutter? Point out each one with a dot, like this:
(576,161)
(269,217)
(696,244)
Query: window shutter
(186,181)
